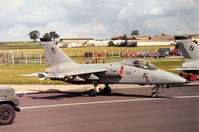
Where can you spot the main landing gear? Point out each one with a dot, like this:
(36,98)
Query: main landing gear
(93,92)
(105,91)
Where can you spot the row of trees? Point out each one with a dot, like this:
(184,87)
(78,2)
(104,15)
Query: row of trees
(123,44)
(35,35)
(126,43)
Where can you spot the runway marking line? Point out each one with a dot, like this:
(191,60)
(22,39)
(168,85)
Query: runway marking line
(104,102)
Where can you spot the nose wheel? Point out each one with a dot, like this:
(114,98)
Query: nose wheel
(155,94)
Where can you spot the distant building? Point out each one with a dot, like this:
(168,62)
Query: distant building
(73,44)
(192,36)
(96,43)
(80,41)
(69,45)
(116,38)
(154,42)
(163,37)
(137,37)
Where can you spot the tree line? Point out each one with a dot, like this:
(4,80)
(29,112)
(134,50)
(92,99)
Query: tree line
(34,35)
(53,35)
(126,43)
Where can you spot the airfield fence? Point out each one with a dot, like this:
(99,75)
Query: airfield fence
(23,57)
(13,57)
(37,56)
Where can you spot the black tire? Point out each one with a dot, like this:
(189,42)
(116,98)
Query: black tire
(107,91)
(7,114)
(154,95)
(92,93)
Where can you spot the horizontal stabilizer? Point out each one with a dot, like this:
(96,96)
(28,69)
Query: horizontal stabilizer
(185,69)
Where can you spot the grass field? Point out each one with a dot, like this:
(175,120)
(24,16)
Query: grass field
(19,45)
(10,73)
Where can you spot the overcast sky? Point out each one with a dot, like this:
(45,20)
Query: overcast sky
(99,19)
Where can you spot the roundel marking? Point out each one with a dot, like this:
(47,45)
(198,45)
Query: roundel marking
(191,47)
(53,50)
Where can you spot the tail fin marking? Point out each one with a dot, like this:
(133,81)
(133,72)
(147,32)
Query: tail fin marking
(189,49)
(54,54)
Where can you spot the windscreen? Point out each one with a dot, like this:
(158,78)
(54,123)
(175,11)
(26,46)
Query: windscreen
(139,63)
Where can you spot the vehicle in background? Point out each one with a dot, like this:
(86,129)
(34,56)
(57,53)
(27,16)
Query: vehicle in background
(139,54)
(8,105)
(177,52)
(129,54)
(191,77)
(161,55)
(149,54)
(166,50)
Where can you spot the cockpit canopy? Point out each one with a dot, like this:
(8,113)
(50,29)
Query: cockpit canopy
(139,63)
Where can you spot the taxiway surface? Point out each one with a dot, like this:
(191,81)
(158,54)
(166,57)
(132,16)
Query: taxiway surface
(176,110)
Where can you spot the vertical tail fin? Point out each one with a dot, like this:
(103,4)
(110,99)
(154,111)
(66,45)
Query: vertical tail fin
(53,53)
(189,49)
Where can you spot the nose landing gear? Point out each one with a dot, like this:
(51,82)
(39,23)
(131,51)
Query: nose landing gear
(155,94)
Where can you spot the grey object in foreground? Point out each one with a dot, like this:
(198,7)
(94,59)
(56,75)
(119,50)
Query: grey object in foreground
(132,71)
(8,105)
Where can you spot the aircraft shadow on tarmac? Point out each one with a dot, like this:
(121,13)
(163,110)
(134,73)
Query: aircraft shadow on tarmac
(185,86)
(68,94)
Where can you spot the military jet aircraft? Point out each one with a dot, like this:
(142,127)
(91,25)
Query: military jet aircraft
(190,52)
(132,71)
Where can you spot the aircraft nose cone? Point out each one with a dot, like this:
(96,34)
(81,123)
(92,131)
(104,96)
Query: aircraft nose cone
(181,80)
(175,79)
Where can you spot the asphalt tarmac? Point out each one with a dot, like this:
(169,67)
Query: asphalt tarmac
(126,110)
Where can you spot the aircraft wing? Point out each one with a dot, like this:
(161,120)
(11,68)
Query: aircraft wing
(43,76)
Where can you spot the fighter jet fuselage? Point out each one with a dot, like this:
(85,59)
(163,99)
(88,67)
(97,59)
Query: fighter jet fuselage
(124,72)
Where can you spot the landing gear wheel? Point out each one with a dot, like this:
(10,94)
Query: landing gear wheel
(92,92)
(7,114)
(154,95)
(107,91)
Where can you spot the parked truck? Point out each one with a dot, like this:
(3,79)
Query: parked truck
(8,105)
